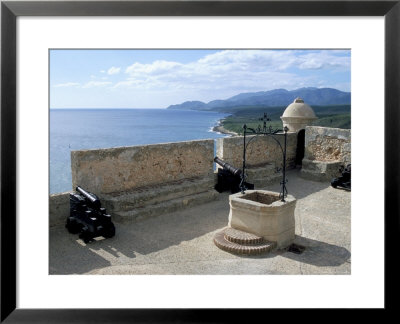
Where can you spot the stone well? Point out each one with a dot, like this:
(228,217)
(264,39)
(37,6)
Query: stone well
(262,213)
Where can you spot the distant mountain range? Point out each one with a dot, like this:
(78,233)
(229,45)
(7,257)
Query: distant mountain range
(272,98)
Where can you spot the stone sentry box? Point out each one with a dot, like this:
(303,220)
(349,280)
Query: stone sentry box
(140,181)
(263,213)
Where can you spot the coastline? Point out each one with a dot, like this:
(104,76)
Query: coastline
(220,129)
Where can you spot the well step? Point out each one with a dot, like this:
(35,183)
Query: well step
(240,242)
(240,237)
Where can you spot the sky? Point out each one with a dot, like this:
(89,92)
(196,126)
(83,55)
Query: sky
(159,78)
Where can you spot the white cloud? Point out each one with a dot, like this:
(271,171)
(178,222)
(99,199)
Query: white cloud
(323,60)
(223,70)
(254,60)
(113,70)
(155,68)
(67,84)
(92,84)
(129,83)
(235,69)
(220,75)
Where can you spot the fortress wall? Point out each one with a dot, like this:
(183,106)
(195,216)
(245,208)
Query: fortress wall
(261,150)
(327,144)
(326,151)
(122,169)
(58,208)
(152,170)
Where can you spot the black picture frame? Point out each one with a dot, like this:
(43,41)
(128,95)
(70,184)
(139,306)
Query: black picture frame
(10,10)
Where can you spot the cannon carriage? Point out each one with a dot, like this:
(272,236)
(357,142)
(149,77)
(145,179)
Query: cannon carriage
(87,218)
(229,178)
(344,180)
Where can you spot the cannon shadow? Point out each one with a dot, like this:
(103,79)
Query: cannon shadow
(69,255)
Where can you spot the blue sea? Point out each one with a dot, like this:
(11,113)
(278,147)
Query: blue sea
(76,129)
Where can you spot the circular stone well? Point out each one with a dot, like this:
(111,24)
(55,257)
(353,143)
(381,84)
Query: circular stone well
(264,214)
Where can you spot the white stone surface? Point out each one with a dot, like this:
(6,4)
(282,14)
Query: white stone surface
(298,115)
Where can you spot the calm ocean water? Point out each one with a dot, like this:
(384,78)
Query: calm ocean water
(75,129)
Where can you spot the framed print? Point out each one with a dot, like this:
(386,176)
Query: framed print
(39,28)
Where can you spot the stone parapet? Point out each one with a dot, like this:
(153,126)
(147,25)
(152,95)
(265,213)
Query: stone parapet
(262,151)
(263,176)
(150,201)
(141,181)
(327,144)
(326,150)
(121,169)
(58,208)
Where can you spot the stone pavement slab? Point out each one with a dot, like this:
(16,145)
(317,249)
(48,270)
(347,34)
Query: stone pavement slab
(181,242)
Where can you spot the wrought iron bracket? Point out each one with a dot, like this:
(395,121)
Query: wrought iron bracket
(273,133)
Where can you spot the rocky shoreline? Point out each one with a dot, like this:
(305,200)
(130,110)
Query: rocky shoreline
(220,129)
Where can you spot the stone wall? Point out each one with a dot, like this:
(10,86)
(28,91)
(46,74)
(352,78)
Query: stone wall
(58,208)
(151,179)
(263,156)
(122,169)
(328,144)
(326,150)
(261,150)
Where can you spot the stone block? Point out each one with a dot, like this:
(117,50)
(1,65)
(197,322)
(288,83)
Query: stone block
(58,208)
(163,207)
(320,170)
(327,144)
(261,151)
(263,176)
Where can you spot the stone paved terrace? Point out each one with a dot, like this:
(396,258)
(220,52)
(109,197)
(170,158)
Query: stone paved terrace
(182,243)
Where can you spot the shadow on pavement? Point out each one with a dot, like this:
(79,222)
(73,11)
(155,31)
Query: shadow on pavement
(319,253)
(69,255)
(297,186)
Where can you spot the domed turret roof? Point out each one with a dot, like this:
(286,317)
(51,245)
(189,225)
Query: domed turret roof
(299,109)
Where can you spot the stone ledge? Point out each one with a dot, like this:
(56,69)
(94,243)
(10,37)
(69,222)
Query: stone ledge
(58,208)
(143,197)
(263,176)
(136,214)
(320,170)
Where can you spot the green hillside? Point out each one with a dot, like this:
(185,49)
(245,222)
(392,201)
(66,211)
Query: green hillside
(328,116)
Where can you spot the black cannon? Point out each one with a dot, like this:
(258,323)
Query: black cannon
(229,177)
(87,218)
(344,181)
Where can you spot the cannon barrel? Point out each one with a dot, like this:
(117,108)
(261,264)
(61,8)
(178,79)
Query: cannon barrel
(228,167)
(91,198)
